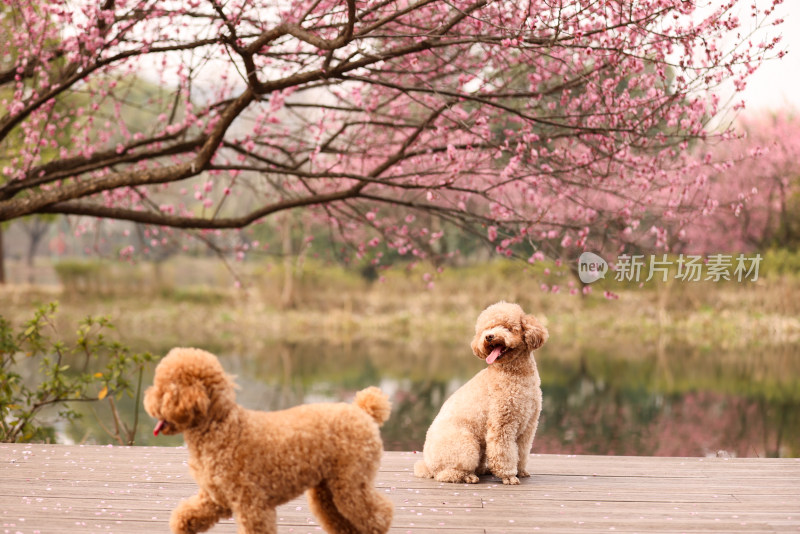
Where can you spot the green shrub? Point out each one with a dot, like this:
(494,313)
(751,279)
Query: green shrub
(108,278)
(78,277)
(781,261)
(89,370)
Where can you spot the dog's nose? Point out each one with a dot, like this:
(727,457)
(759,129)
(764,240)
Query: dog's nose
(489,337)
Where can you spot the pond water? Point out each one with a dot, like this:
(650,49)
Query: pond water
(667,401)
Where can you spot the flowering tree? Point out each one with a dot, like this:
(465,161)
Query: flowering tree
(538,125)
(754,189)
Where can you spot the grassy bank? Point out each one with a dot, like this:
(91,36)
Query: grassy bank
(191,302)
(613,368)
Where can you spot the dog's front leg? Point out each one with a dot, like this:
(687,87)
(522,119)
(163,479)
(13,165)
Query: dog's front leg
(525,440)
(502,452)
(198,513)
(524,445)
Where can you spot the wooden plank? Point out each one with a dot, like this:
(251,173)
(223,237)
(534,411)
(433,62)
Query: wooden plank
(47,488)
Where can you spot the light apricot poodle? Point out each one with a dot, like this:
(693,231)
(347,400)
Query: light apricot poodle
(248,462)
(488,424)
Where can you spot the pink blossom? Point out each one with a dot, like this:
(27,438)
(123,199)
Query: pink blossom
(407,108)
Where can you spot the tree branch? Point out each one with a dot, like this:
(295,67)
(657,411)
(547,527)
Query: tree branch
(177,221)
(35,202)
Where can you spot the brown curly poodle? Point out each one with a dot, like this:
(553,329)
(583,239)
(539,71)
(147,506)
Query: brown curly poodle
(488,424)
(248,462)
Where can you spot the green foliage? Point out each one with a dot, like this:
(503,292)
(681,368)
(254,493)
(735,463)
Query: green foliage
(782,262)
(317,277)
(202,295)
(102,278)
(81,276)
(91,369)
(314,282)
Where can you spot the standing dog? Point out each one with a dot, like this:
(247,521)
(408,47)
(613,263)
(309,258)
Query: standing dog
(247,462)
(488,424)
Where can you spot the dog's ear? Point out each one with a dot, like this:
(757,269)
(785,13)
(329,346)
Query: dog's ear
(477,346)
(534,332)
(151,401)
(183,405)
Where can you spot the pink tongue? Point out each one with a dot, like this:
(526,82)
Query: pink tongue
(494,355)
(159,427)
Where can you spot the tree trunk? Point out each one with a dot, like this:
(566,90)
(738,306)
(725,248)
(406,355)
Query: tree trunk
(30,257)
(2,259)
(287,293)
(36,229)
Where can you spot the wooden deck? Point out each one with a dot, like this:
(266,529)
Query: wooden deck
(60,488)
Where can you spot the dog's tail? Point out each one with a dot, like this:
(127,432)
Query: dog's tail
(375,402)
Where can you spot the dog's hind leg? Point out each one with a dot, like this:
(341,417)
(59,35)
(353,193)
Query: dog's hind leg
(320,499)
(366,509)
(457,476)
(421,470)
(356,499)
(256,518)
(456,459)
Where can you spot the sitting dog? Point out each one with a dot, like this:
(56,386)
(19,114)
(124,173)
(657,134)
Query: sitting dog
(248,462)
(488,424)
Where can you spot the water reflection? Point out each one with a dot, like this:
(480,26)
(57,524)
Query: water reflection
(594,402)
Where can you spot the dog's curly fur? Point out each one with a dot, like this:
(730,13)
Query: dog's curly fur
(488,424)
(248,462)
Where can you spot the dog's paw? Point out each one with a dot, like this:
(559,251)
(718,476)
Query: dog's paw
(511,481)
(456,476)
(523,473)
(185,522)
(181,525)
